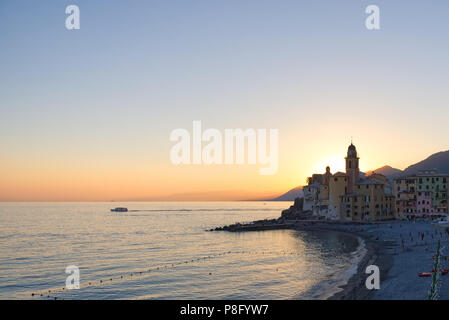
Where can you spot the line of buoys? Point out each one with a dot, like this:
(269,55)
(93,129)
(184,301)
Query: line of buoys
(47,294)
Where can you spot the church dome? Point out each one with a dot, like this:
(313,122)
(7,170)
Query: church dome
(352,151)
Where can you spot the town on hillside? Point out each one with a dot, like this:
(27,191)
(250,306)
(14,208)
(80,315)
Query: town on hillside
(353,196)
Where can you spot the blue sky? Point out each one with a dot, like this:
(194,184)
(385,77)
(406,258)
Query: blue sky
(138,69)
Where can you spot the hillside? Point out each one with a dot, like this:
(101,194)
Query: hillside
(438,161)
(387,171)
(289,195)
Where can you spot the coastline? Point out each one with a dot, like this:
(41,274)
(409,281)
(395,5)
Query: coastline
(401,250)
(376,253)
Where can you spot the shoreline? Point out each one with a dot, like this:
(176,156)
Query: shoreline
(354,288)
(376,252)
(401,249)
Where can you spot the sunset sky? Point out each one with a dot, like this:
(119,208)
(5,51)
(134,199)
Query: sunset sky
(85,115)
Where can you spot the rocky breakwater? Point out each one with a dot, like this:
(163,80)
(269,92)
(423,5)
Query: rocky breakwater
(295,212)
(256,226)
(288,219)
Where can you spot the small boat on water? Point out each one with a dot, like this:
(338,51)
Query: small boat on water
(119,209)
(425,274)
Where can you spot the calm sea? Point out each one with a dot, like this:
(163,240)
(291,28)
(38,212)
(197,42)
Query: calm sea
(39,240)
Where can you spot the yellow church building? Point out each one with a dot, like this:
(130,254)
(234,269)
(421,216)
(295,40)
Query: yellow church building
(349,196)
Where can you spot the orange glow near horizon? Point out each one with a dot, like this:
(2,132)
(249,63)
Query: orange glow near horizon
(91,179)
(92,175)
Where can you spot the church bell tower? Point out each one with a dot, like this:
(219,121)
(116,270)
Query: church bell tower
(352,168)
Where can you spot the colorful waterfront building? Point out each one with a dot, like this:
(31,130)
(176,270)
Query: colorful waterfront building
(369,203)
(424,202)
(437,185)
(421,194)
(316,193)
(404,190)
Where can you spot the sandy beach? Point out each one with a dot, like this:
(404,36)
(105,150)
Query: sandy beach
(401,250)
(399,265)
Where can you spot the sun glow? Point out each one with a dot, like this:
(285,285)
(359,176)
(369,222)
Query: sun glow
(336,162)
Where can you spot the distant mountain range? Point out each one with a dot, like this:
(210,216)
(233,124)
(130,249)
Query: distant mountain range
(387,171)
(289,195)
(437,161)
